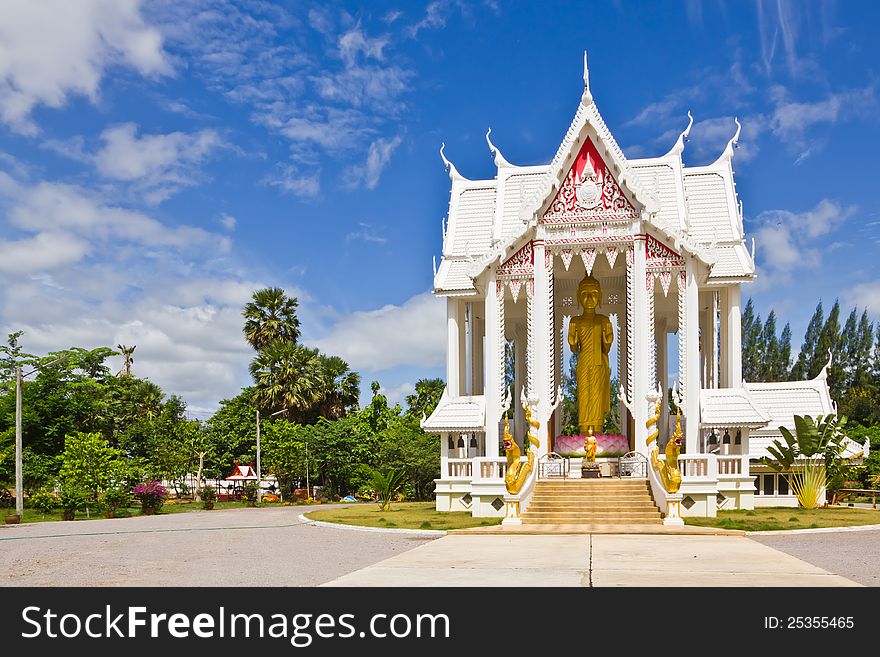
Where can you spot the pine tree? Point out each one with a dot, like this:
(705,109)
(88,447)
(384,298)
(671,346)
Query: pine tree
(862,359)
(808,347)
(848,350)
(784,356)
(769,350)
(829,342)
(751,343)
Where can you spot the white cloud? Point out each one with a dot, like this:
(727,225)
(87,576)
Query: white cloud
(865,295)
(366,234)
(228,221)
(43,252)
(290,181)
(52,49)
(397,394)
(787,241)
(413,333)
(378,157)
(436,15)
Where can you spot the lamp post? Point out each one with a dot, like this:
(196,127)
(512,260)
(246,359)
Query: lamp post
(259,468)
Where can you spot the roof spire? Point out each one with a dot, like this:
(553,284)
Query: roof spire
(587,98)
(683,137)
(733,143)
(499,158)
(450,167)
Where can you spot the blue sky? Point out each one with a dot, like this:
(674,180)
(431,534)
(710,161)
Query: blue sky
(161,160)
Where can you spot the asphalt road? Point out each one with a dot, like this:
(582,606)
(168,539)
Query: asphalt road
(249,547)
(851,554)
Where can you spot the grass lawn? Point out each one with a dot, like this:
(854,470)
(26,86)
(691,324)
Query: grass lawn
(403,515)
(776,518)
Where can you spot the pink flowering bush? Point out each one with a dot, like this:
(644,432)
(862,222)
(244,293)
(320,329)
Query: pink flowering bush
(152,496)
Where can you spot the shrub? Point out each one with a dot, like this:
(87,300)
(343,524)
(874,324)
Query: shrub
(151,496)
(208,495)
(43,501)
(249,494)
(115,499)
(72,499)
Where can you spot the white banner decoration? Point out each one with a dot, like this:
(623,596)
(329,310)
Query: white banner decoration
(665,281)
(514,289)
(589,258)
(567,255)
(611,255)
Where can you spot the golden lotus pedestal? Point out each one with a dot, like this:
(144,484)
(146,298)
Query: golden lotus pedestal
(590,470)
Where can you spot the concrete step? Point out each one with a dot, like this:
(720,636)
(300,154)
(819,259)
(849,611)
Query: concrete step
(579,520)
(617,499)
(596,512)
(586,508)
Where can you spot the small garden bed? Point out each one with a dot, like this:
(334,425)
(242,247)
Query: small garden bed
(403,515)
(782,518)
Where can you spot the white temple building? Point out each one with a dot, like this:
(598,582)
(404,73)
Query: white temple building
(667,244)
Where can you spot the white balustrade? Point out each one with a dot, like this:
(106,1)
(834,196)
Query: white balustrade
(459,468)
(730,465)
(490,467)
(697,466)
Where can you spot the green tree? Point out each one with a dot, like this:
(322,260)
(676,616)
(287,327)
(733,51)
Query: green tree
(287,376)
(406,448)
(422,402)
(128,358)
(783,364)
(770,351)
(90,464)
(752,344)
(807,352)
(12,355)
(339,388)
(284,453)
(270,316)
(232,434)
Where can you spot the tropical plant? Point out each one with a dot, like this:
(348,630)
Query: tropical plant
(72,499)
(116,498)
(151,496)
(126,352)
(208,495)
(270,316)
(808,456)
(43,501)
(287,376)
(249,493)
(385,485)
(339,388)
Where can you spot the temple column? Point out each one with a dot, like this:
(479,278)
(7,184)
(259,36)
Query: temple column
(542,344)
(731,337)
(455,353)
(493,365)
(713,336)
(640,360)
(519,380)
(477,346)
(663,371)
(691,373)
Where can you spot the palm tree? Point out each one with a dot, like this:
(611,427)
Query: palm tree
(287,375)
(341,388)
(271,315)
(129,359)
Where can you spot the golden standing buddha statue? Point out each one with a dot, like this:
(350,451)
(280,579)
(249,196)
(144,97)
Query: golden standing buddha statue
(590,336)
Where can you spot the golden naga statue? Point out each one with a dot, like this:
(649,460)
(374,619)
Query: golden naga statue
(590,336)
(517,471)
(668,470)
(590,445)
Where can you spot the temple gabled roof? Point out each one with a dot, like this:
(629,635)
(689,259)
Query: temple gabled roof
(695,206)
(457,414)
(730,407)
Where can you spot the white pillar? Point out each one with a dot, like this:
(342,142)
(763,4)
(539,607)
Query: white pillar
(692,362)
(519,380)
(640,347)
(543,349)
(477,346)
(734,338)
(713,310)
(454,351)
(494,359)
(663,372)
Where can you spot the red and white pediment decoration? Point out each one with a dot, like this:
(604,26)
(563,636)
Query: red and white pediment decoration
(516,271)
(661,262)
(589,192)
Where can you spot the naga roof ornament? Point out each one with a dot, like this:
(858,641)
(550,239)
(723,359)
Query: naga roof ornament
(450,167)
(683,137)
(733,143)
(500,161)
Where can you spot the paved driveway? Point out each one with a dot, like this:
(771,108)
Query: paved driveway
(249,547)
(853,554)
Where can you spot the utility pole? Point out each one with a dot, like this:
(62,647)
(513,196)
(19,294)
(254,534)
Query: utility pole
(259,469)
(19,477)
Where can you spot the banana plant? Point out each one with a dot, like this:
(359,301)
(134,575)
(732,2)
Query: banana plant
(806,456)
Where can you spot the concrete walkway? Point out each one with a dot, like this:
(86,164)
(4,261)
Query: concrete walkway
(592,560)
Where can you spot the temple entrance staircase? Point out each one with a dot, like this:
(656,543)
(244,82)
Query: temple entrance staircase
(603,501)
